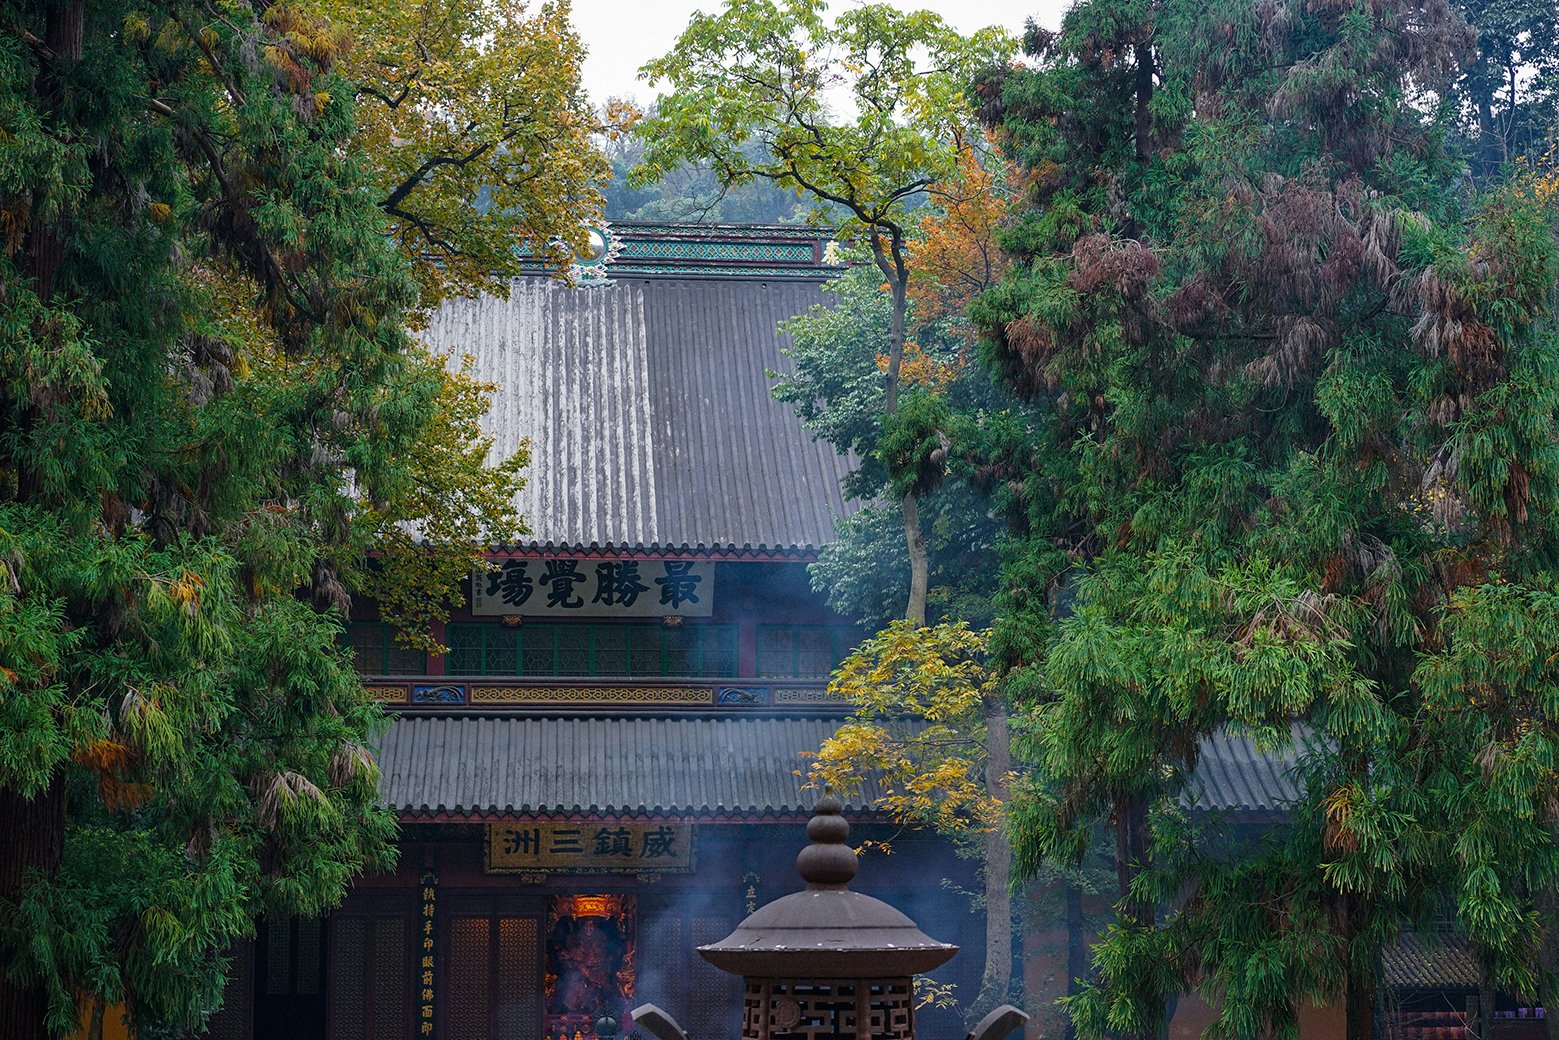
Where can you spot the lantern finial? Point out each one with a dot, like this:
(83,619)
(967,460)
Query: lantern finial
(828,862)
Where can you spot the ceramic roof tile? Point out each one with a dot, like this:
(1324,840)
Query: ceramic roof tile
(1429,960)
(647,405)
(1233,776)
(526,765)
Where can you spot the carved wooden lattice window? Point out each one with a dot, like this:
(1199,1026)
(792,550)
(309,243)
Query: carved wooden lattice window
(663,960)
(348,966)
(708,650)
(538,650)
(468,984)
(390,962)
(518,985)
(369,972)
(714,996)
(278,956)
(573,649)
(623,651)
(292,949)
(377,652)
(491,986)
(644,655)
(802,651)
(234,1019)
(306,938)
(481,649)
(612,650)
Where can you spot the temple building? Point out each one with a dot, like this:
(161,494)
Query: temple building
(590,782)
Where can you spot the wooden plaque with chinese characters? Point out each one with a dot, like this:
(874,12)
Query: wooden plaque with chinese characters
(589,848)
(595,588)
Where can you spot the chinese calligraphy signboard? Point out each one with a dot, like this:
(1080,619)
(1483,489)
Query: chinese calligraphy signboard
(589,848)
(425,965)
(595,588)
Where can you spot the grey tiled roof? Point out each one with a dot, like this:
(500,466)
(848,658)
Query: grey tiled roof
(647,405)
(435,764)
(1429,960)
(1233,776)
(524,765)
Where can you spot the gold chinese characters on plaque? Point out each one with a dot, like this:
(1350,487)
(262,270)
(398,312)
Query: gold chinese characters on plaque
(589,848)
(587,588)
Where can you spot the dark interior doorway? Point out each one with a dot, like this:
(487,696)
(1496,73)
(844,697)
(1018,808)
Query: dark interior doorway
(289,998)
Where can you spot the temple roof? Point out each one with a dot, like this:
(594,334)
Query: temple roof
(646,400)
(698,765)
(438,766)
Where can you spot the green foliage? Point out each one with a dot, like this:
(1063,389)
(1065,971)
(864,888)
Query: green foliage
(434,532)
(690,193)
(749,98)
(1488,690)
(1291,478)
(865,576)
(210,412)
(475,133)
(835,384)
(863,570)
(913,446)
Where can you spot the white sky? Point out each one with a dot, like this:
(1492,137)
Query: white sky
(621,35)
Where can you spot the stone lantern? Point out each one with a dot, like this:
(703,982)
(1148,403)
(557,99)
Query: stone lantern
(827,963)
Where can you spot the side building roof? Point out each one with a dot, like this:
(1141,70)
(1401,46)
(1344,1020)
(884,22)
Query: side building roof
(1233,776)
(646,399)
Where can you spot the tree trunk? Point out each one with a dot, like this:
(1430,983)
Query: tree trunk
(919,561)
(95,1027)
(1131,853)
(34,828)
(35,841)
(1359,1004)
(996,981)
(891,262)
(914,536)
(1548,962)
(1548,997)
(1488,136)
(1507,137)
(898,278)
(1144,116)
(63,33)
(1077,967)
(1483,1028)
(45,251)
(1131,826)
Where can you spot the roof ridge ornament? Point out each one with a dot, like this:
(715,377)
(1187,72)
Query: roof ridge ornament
(590,267)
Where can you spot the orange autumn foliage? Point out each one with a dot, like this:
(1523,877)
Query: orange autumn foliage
(956,257)
(110,760)
(920,368)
